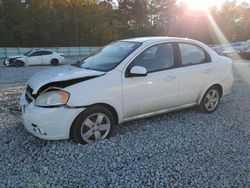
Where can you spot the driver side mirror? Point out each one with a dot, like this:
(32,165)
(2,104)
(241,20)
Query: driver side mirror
(138,71)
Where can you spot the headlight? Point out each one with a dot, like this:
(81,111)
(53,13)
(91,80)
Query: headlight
(52,98)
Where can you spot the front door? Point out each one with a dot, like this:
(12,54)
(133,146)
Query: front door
(156,91)
(35,58)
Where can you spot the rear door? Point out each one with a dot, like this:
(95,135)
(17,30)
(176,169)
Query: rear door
(195,69)
(46,56)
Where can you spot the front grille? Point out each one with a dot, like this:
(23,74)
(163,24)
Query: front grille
(28,94)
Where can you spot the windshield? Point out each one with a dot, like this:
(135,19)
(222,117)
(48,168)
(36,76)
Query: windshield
(27,53)
(108,57)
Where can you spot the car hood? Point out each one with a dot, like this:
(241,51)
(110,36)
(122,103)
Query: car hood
(58,74)
(16,56)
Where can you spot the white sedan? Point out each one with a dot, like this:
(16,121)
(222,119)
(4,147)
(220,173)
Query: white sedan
(35,57)
(125,80)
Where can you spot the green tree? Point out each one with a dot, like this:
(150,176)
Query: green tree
(91,22)
(11,22)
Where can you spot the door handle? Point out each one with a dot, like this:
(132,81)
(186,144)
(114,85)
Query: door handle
(170,78)
(208,71)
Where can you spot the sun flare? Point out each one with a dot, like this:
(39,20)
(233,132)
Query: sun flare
(201,4)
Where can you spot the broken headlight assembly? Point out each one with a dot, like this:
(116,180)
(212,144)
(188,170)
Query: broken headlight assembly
(52,98)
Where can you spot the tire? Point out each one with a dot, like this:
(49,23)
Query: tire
(19,63)
(54,62)
(87,128)
(248,56)
(210,100)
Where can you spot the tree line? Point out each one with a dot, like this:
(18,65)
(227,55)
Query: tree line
(93,23)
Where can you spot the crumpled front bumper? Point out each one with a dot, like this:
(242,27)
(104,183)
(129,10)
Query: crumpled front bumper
(48,123)
(6,62)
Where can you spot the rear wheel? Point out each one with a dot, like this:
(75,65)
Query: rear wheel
(95,123)
(54,62)
(210,100)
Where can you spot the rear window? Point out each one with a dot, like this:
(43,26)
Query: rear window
(192,54)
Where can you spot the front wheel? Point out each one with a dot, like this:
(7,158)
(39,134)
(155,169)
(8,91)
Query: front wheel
(95,123)
(210,100)
(19,63)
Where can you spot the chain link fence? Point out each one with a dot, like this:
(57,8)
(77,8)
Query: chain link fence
(67,51)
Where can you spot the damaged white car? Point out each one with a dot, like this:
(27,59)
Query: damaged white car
(35,57)
(126,80)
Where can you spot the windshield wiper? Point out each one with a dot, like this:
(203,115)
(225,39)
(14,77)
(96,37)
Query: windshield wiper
(79,63)
(88,68)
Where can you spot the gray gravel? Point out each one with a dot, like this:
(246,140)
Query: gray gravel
(180,149)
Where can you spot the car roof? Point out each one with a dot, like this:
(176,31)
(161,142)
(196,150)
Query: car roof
(41,49)
(158,39)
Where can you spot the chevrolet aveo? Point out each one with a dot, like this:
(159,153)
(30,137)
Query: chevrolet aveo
(125,80)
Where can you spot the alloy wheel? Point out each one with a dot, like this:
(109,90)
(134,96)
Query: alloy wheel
(212,100)
(95,127)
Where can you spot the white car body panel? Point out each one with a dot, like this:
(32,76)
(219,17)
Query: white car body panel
(130,97)
(55,74)
(36,60)
(107,91)
(142,95)
(17,56)
(45,59)
(192,79)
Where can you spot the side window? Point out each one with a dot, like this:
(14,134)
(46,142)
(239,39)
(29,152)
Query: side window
(192,54)
(40,53)
(37,53)
(156,58)
(46,53)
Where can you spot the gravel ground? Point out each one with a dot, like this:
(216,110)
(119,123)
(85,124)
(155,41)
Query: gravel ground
(180,149)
